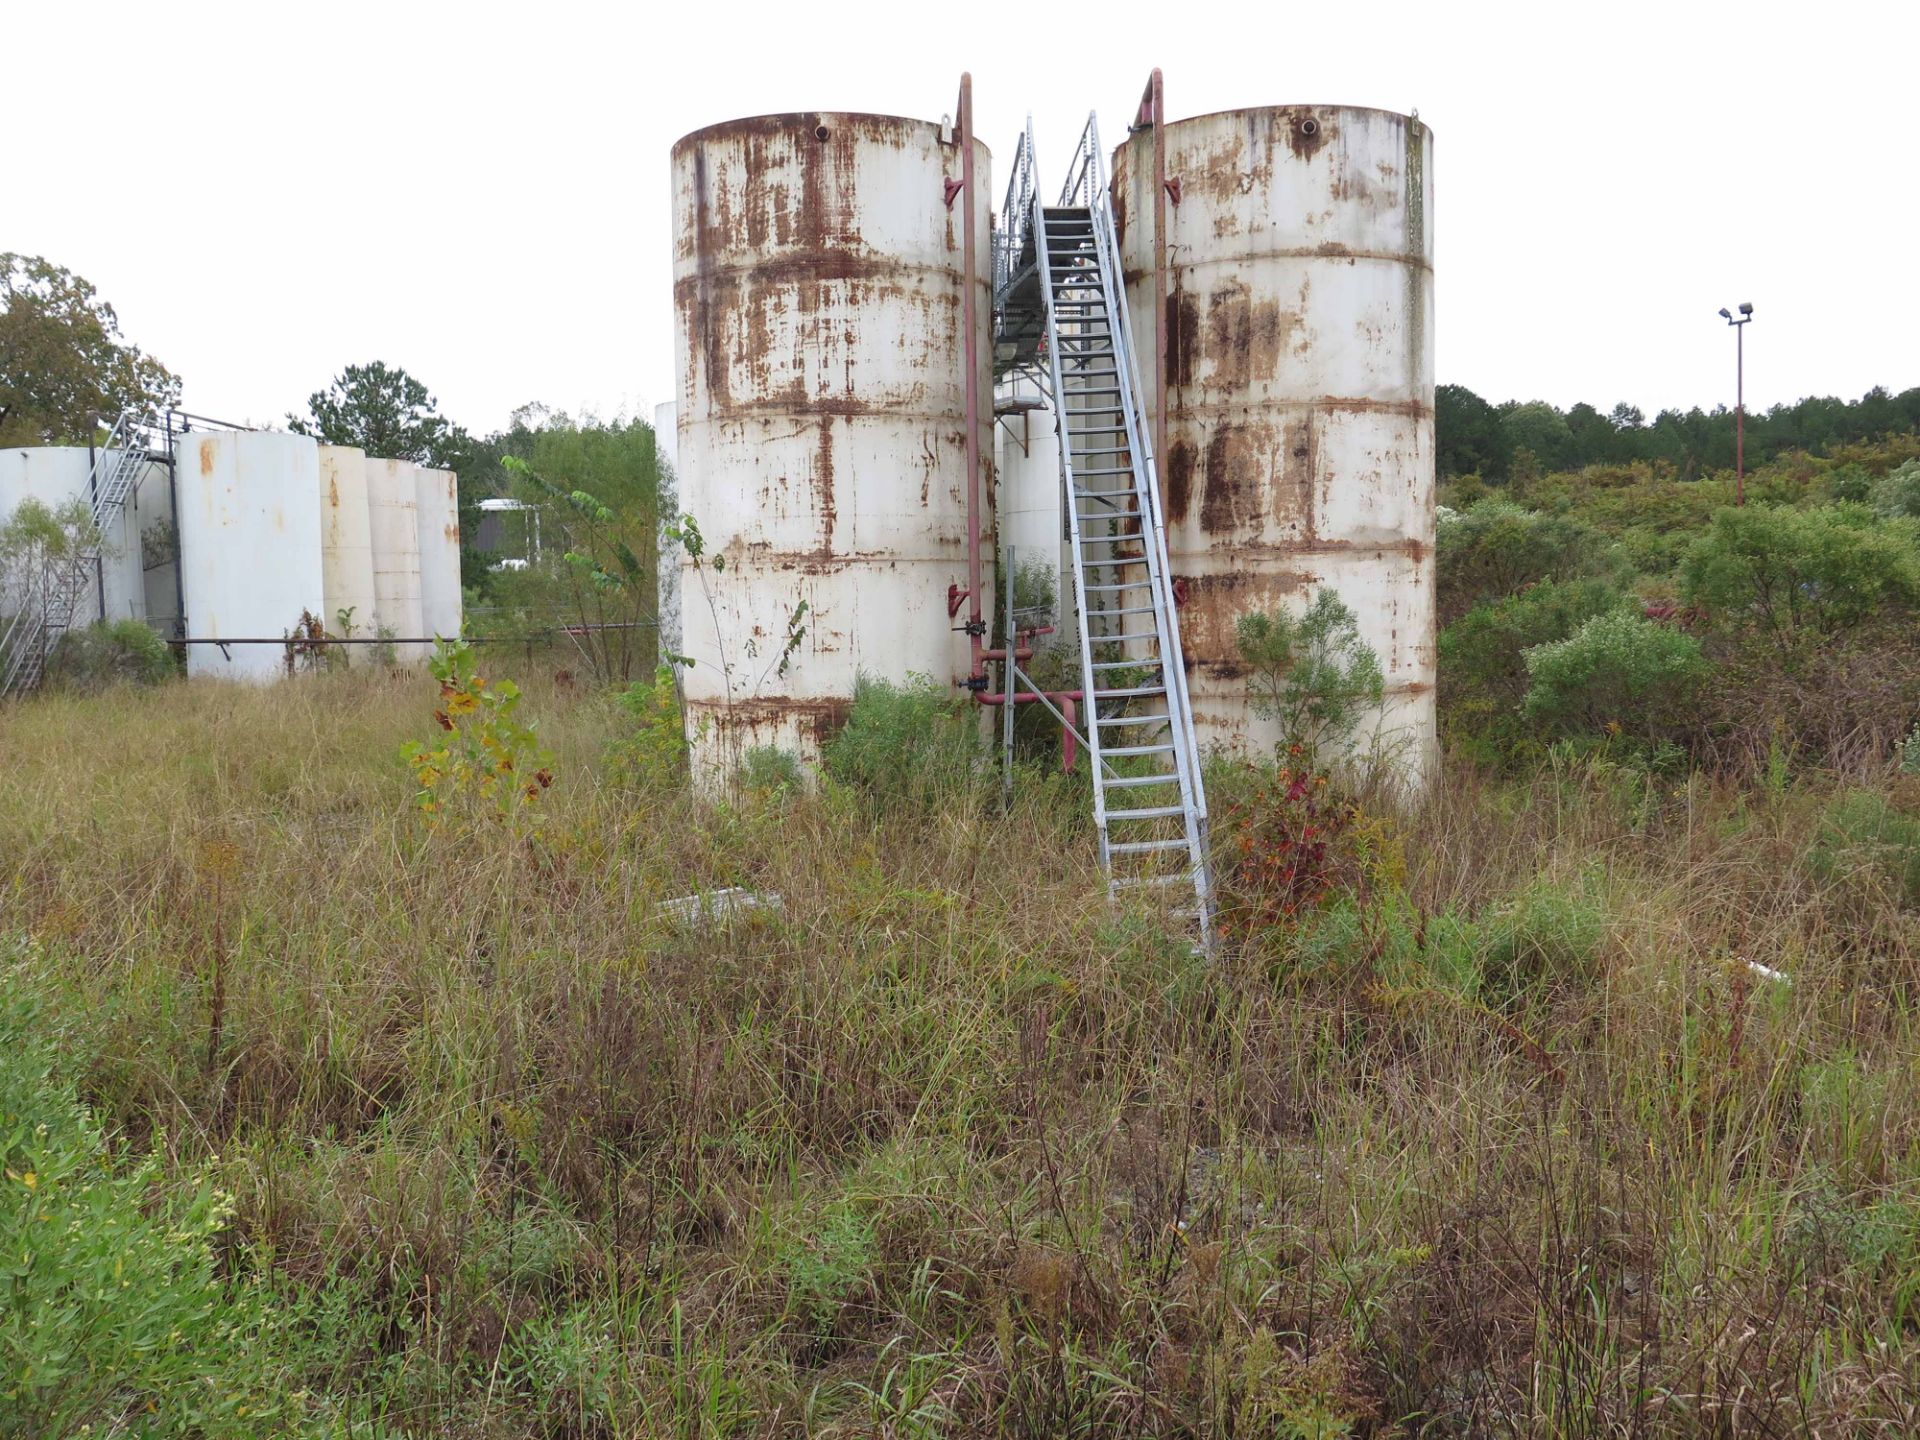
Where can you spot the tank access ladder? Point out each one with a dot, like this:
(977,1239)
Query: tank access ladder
(27,637)
(1059,277)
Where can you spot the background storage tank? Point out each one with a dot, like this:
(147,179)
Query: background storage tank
(393,519)
(437,495)
(346,544)
(56,475)
(249,521)
(1299,388)
(822,399)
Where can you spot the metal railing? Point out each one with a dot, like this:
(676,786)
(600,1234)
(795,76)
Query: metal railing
(1013,238)
(46,606)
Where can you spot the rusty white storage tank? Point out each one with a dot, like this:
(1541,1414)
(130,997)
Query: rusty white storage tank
(1299,375)
(438,516)
(393,521)
(346,544)
(59,475)
(249,521)
(818,283)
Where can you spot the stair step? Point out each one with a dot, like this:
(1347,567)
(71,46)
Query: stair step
(1136,749)
(1110,589)
(1136,882)
(1141,847)
(1156,812)
(1135,782)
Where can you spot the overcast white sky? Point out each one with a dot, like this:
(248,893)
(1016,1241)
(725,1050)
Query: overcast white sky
(479,192)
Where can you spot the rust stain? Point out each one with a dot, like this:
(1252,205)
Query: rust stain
(206,457)
(1215,604)
(1244,336)
(1179,479)
(1183,333)
(1304,131)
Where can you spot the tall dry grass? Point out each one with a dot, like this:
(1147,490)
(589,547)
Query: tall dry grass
(945,1146)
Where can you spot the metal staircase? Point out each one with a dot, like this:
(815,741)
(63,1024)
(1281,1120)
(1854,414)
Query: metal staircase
(44,605)
(1062,313)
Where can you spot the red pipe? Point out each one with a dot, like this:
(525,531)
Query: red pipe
(1066,700)
(970,267)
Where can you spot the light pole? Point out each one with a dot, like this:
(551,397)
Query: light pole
(1739,398)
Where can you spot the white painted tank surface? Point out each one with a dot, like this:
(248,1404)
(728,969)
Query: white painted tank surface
(1299,389)
(346,546)
(1027,467)
(438,516)
(57,475)
(249,519)
(393,516)
(818,288)
(159,540)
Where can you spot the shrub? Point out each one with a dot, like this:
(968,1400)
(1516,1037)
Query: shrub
(653,748)
(1802,574)
(913,744)
(1497,548)
(112,1315)
(1482,663)
(1896,495)
(1311,672)
(1618,674)
(488,761)
(116,652)
(1294,843)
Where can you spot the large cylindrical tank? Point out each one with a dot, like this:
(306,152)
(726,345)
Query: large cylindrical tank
(818,283)
(57,476)
(438,498)
(393,521)
(1031,525)
(1299,390)
(249,521)
(346,545)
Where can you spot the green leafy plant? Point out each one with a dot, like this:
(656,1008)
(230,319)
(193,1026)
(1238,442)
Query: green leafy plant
(116,652)
(653,749)
(489,761)
(1310,672)
(912,744)
(1617,674)
(113,1315)
(1497,548)
(1802,576)
(604,588)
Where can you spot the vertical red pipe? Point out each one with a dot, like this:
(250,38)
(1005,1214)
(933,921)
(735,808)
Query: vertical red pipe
(970,266)
(1157,96)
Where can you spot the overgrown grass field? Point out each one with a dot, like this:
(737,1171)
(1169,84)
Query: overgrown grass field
(398,1128)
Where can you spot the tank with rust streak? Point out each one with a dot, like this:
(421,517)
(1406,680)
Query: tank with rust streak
(818,286)
(59,476)
(438,497)
(346,544)
(250,558)
(1299,428)
(393,519)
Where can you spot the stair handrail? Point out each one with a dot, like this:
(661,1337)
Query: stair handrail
(1015,214)
(1139,436)
(27,629)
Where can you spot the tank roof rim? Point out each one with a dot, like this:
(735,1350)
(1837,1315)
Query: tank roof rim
(806,119)
(1321,105)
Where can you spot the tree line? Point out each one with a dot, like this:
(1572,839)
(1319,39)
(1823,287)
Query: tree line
(1519,439)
